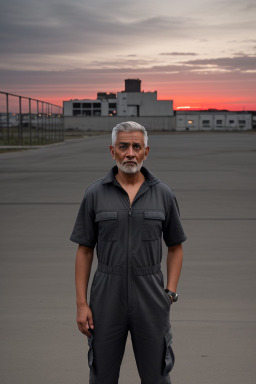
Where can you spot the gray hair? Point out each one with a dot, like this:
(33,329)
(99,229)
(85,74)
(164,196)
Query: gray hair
(129,126)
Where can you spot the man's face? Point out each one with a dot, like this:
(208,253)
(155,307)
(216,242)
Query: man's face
(129,151)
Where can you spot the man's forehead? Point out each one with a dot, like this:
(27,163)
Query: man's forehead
(131,136)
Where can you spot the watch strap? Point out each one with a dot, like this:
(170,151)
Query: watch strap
(173,295)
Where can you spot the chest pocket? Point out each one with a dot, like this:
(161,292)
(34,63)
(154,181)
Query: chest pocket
(152,225)
(107,225)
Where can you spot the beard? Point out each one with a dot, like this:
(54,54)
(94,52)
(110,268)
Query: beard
(131,168)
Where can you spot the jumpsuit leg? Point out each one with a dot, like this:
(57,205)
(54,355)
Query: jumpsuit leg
(108,350)
(149,350)
(151,330)
(110,328)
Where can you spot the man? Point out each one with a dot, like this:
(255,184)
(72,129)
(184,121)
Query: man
(125,215)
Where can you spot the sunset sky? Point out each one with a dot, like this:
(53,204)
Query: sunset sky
(198,53)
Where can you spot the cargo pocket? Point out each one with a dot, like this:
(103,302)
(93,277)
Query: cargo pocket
(152,226)
(90,354)
(169,355)
(107,225)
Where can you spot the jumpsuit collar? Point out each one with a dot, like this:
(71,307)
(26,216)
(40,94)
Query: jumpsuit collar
(149,177)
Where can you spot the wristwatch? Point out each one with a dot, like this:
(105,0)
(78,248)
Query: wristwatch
(173,295)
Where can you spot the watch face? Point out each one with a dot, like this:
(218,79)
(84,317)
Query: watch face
(175,297)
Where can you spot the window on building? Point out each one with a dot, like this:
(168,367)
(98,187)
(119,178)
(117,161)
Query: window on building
(112,112)
(219,122)
(87,113)
(87,105)
(112,105)
(231,121)
(242,122)
(96,112)
(96,105)
(76,105)
(76,112)
(206,122)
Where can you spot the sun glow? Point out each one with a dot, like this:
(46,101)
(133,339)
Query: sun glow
(188,107)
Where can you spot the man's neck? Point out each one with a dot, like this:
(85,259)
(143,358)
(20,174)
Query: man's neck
(129,179)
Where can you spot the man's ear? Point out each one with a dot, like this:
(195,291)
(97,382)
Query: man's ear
(112,151)
(146,153)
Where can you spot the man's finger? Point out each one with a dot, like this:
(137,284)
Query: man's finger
(83,328)
(90,321)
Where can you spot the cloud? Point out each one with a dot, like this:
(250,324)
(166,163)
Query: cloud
(178,54)
(249,7)
(98,71)
(49,27)
(238,63)
(93,75)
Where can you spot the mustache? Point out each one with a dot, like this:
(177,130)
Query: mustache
(130,162)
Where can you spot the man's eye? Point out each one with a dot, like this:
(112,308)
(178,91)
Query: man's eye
(137,146)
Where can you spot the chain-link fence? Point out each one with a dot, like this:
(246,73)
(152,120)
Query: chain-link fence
(27,121)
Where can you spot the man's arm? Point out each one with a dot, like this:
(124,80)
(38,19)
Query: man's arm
(84,257)
(174,264)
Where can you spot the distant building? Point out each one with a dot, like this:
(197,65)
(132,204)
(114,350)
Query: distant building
(10,119)
(213,120)
(130,102)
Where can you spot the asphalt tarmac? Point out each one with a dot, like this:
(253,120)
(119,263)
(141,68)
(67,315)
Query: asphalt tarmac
(214,321)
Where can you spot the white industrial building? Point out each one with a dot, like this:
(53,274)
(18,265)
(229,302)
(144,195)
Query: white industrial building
(131,103)
(213,120)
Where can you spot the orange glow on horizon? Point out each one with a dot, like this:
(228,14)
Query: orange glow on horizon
(178,104)
(200,100)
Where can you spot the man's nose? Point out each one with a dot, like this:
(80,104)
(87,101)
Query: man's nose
(130,152)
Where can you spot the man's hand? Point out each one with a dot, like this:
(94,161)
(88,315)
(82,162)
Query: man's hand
(84,319)
(84,257)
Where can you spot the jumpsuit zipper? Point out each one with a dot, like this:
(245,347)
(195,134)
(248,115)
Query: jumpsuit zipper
(129,250)
(129,280)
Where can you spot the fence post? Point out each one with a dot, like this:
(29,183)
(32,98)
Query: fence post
(30,121)
(43,137)
(7,118)
(37,120)
(20,122)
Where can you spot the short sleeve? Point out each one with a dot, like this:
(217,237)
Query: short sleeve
(173,232)
(84,231)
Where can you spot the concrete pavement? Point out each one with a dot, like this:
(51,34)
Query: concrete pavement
(214,322)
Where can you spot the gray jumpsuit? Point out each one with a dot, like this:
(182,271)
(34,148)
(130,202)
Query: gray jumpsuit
(127,292)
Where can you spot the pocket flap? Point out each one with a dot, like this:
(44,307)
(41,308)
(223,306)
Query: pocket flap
(105,216)
(169,355)
(91,354)
(155,215)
